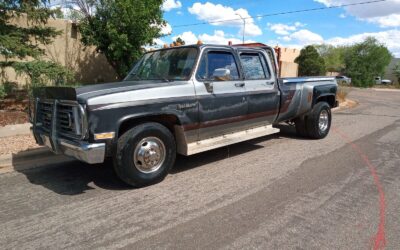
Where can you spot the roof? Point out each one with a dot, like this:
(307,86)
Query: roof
(244,46)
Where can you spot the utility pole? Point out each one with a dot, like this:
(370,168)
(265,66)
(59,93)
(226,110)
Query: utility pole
(244,25)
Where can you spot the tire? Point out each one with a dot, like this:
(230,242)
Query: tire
(301,126)
(145,154)
(319,121)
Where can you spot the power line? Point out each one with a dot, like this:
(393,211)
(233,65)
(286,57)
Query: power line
(281,13)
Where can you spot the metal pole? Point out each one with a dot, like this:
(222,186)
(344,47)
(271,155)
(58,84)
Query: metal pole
(244,25)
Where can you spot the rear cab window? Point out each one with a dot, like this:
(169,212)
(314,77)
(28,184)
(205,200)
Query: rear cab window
(255,66)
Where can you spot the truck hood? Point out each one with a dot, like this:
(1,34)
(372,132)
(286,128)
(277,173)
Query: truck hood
(82,94)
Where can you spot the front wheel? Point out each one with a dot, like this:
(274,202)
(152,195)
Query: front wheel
(319,121)
(145,154)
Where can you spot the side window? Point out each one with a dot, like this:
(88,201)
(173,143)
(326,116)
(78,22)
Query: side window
(254,66)
(217,60)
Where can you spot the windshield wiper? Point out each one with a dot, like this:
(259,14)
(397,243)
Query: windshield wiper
(165,79)
(134,75)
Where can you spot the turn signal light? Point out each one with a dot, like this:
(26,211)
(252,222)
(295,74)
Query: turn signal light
(103,136)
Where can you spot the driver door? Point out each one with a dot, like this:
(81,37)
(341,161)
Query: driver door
(221,94)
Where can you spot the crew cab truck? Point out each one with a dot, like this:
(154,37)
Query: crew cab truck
(180,100)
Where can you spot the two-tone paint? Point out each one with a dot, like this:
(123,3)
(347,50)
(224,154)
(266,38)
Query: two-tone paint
(195,112)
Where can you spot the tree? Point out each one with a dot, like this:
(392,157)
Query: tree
(20,44)
(120,28)
(310,62)
(179,42)
(333,56)
(397,71)
(365,61)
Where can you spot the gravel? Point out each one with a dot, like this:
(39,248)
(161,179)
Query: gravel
(15,144)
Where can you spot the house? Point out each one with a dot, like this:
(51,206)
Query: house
(89,65)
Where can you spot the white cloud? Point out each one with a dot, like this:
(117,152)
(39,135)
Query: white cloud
(219,37)
(385,14)
(392,20)
(303,37)
(342,15)
(171,4)
(284,29)
(390,38)
(158,42)
(188,36)
(166,29)
(210,12)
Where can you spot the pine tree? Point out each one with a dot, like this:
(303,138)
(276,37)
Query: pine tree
(22,33)
(310,62)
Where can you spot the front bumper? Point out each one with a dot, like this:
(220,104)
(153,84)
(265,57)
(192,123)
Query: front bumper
(91,153)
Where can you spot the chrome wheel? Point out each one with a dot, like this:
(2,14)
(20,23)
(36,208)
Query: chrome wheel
(323,120)
(149,155)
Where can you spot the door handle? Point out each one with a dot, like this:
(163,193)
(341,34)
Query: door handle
(239,85)
(270,83)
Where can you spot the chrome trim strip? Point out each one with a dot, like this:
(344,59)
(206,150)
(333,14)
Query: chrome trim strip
(84,122)
(307,79)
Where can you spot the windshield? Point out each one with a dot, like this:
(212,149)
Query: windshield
(165,65)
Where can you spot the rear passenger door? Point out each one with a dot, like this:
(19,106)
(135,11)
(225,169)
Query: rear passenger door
(261,87)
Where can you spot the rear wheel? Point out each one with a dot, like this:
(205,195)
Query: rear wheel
(145,154)
(319,121)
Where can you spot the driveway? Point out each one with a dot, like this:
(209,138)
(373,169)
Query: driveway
(279,191)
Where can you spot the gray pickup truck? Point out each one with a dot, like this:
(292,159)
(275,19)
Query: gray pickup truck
(180,100)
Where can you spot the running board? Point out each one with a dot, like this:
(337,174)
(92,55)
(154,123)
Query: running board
(227,139)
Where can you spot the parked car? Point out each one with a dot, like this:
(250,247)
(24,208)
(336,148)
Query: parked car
(379,80)
(180,100)
(343,80)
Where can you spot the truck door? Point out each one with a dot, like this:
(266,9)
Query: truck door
(221,93)
(263,94)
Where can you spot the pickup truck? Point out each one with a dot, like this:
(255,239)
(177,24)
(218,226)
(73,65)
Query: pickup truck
(179,100)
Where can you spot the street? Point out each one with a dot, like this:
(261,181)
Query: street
(275,192)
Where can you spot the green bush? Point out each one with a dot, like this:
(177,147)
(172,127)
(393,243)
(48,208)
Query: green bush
(310,62)
(366,60)
(3,93)
(10,87)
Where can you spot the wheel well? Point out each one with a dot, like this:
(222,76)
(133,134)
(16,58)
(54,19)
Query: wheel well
(330,99)
(167,120)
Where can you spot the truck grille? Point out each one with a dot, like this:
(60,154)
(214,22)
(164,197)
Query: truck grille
(68,117)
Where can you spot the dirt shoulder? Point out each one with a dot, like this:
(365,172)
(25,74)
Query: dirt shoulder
(16,144)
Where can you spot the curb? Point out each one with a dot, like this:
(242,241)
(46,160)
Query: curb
(17,129)
(41,157)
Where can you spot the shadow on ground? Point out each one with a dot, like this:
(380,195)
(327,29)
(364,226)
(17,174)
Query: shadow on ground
(74,178)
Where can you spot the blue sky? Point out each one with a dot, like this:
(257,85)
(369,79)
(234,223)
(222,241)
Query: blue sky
(334,26)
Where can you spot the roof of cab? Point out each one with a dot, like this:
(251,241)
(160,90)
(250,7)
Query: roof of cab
(237,46)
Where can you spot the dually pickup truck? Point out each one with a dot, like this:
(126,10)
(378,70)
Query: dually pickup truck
(180,100)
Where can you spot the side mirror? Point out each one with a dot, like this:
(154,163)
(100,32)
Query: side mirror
(221,74)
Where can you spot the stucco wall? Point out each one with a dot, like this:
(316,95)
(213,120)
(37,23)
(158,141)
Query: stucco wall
(288,67)
(88,65)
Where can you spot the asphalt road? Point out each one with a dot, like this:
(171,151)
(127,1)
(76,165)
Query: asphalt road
(276,192)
